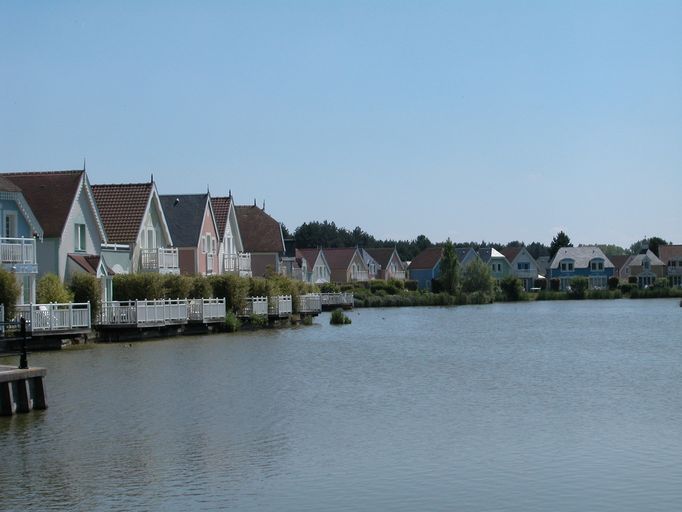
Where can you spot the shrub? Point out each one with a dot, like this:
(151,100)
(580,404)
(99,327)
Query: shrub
(613,283)
(233,289)
(138,287)
(232,322)
(87,288)
(540,283)
(307,320)
(579,285)
(661,282)
(627,287)
(412,286)
(604,294)
(339,317)
(258,320)
(330,288)
(199,288)
(175,286)
(632,280)
(9,292)
(512,288)
(51,289)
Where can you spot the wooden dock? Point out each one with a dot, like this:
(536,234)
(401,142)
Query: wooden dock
(21,390)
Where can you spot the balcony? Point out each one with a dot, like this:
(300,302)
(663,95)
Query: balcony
(18,254)
(161,260)
(360,275)
(398,274)
(239,264)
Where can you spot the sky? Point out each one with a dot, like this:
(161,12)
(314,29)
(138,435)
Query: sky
(488,120)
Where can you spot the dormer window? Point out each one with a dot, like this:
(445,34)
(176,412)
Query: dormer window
(596,265)
(566,266)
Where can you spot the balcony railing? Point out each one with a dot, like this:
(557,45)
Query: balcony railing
(397,274)
(21,251)
(310,303)
(280,306)
(144,313)
(161,260)
(239,264)
(333,300)
(55,316)
(255,306)
(360,275)
(207,310)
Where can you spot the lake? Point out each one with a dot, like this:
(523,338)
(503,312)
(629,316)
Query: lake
(562,406)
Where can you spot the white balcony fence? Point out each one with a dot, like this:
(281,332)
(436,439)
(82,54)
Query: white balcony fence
(55,316)
(397,274)
(255,306)
(310,303)
(237,263)
(280,306)
(360,275)
(161,260)
(144,312)
(207,310)
(336,299)
(18,251)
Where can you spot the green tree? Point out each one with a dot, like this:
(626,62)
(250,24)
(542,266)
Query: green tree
(51,289)
(476,277)
(579,285)
(512,288)
(87,288)
(9,292)
(652,243)
(559,241)
(449,269)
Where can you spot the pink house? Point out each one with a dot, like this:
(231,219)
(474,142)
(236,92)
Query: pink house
(192,225)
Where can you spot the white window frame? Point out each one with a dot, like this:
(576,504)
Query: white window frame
(80,243)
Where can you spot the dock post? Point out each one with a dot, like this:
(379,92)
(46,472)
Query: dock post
(37,389)
(6,402)
(21,395)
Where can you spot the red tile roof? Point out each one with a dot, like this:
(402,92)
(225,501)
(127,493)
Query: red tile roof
(511,253)
(88,262)
(619,260)
(259,231)
(122,208)
(427,259)
(382,255)
(50,195)
(310,255)
(221,209)
(339,258)
(669,252)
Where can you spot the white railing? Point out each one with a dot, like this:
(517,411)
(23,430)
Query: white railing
(310,303)
(255,306)
(18,250)
(118,313)
(398,274)
(144,312)
(207,310)
(237,263)
(280,306)
(360,275)
(55,316)
(336,299)
(161,260)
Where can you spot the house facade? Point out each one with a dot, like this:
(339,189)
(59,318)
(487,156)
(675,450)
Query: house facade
(138,237)
(231,254)
(585,261)
(194,231)
(425,267)
(20,234)
(646,267)
(315,265)
(522,266)
(390,264)
(498,264)
(373,266)
(64,205)
(262,238)
(346,265)
(671,256)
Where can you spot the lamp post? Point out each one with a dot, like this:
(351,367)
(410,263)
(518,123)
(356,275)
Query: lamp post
(23,361)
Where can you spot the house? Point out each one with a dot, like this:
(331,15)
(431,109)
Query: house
(373,266)
(646,267)
(586,261)
(346,265)
(499,266)
(523,266)
(262,237)
(233,259)
(138,237)
(465,255)
(19,235)
(65,207)
(425,267)
(390,264)
(621,268)
(192,225)
(317,270)
(671,255)
(95,266)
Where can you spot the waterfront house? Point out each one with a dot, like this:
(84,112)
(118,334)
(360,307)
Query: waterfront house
(496,261)
(646,267)
(465,256)
(192,225)
(19,234)
(346,265)
(373,266)
(390,264)
(262,238)
(231,255)
(522,266)
(317,269)
(138,237)
(586,261)
(671,256)
(620,266)
(64,205)
(425,267)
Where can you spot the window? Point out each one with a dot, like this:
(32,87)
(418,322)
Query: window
(10,225)
(523,265)
(80,237)
(596,265)
(567,266)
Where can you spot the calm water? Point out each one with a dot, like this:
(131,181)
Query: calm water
(567,406)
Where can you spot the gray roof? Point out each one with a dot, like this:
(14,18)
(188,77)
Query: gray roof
(185,217)
(638,259)
(581,256)
(488,253)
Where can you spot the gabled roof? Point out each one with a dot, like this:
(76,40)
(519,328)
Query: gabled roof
(638,259)
(221,210)
(259,231)
(511,252)
(619,260)
(488,253)
(670,252)
(339,258)
(581,256)
(309,255)
(7,186)
(122,208)
(50,195)
(427,259)
(89,263)
(382,255)
(185,216)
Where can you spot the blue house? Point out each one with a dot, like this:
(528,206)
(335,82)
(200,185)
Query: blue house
(425,267)
(586,261)
(19,233)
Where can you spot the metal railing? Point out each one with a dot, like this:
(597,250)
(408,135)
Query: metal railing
(207,310)
(397,274)
(255,306)
(55,316)
(237,263)
(336,299)
(18,250)
(162,260)
(280,305)
(310,303)
(144,312)
(360,275)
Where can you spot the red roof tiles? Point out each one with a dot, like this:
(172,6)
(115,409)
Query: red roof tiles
(122,208)
(221,209)
(259,231)
(427,259)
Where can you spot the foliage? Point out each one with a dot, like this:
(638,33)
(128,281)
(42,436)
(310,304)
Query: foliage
(232,322)
(613,283)
(655,293)
(512,288)
(537,249)
(9,292)
(612,250)
(661,282)
(652,243)
(554,284)
(138,287)
(51,289)
(330,288)
(87,288)
(604,294)
(339,317)
(560,240)
(476,277)
(233,289)
(200,288)
(579,286)
(175,286)
(552,295)
(627,287)
(258,320)
(307,320)
(449,269)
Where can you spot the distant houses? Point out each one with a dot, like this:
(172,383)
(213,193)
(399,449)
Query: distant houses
(584,261)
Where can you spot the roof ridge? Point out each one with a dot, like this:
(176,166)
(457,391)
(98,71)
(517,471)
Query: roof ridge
(29,173)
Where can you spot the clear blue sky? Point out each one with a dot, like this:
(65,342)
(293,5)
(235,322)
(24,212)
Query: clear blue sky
(471,120)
